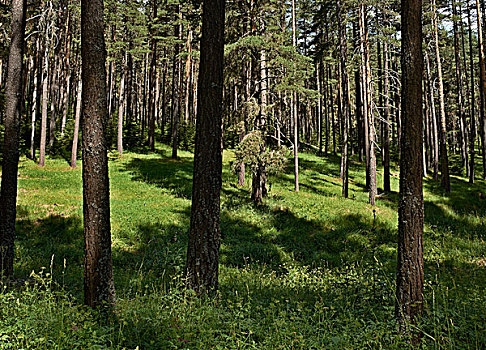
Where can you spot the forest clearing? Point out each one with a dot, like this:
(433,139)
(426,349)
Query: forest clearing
(304,271)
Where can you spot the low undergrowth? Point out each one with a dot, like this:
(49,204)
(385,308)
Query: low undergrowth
(306,270)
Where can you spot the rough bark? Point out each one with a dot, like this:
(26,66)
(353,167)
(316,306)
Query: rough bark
(204,233)
(410,269)
(10,163)
(99,289)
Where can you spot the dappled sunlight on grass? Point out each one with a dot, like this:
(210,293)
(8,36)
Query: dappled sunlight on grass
(303,270)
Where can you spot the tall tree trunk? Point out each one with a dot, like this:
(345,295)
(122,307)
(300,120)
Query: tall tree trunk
(35,98)
(410,268)
(364,95)
(175,92)
(444,160)
(77,118)
(435,133)
(99,289)
(152,80)
(54,93)
(295,115)
(460,92)
(472,136)
(10,162)
(204,232)
(345,99)
(386,124)
(121,112)
(482,89)
(188,78)
(45,89)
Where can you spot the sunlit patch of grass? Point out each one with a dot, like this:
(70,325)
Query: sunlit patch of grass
(307,270)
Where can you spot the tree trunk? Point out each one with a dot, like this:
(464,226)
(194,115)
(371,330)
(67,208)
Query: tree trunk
(345,99)
(77,117)
(45,85)
(435,162)
(35,99)
(444,160)
(482,89)
(460,92)
(121,112)
(386,124)
(204,233)
(10,162)
(294,111)
(99,289)
(175,93)
(410,268)
(472,137)
(152,79)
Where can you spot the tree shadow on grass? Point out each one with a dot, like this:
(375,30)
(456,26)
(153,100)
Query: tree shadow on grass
(54,241)
(167,173)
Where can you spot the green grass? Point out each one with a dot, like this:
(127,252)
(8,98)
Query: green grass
(306,270)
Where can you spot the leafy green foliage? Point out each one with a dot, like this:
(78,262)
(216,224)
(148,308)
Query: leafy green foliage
(253,153)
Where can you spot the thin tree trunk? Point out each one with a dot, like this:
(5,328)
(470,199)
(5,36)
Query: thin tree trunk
(152,79)
(444,160)
(77,117)
(482,89)
(45,85)
(386,125)
(435,163)
(345,99)
(175,93)
(121,112)
(294,110)
(472,138)
(35,103)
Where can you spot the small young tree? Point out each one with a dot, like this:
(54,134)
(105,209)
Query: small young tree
(262,161)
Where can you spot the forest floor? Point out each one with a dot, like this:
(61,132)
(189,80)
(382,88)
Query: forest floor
(306,270)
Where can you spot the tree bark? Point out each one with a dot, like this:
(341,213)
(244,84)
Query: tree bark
(386,124)
(45,86)
(204,233)
(77,118)
(482,88)
(345,99)
(121,113)
(99,288)
(444,160)
(152,80)
(472,136)
(410,268)
(10,163)
(295,115)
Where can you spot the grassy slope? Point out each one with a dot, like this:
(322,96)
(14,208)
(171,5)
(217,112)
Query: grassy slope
(306,270)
